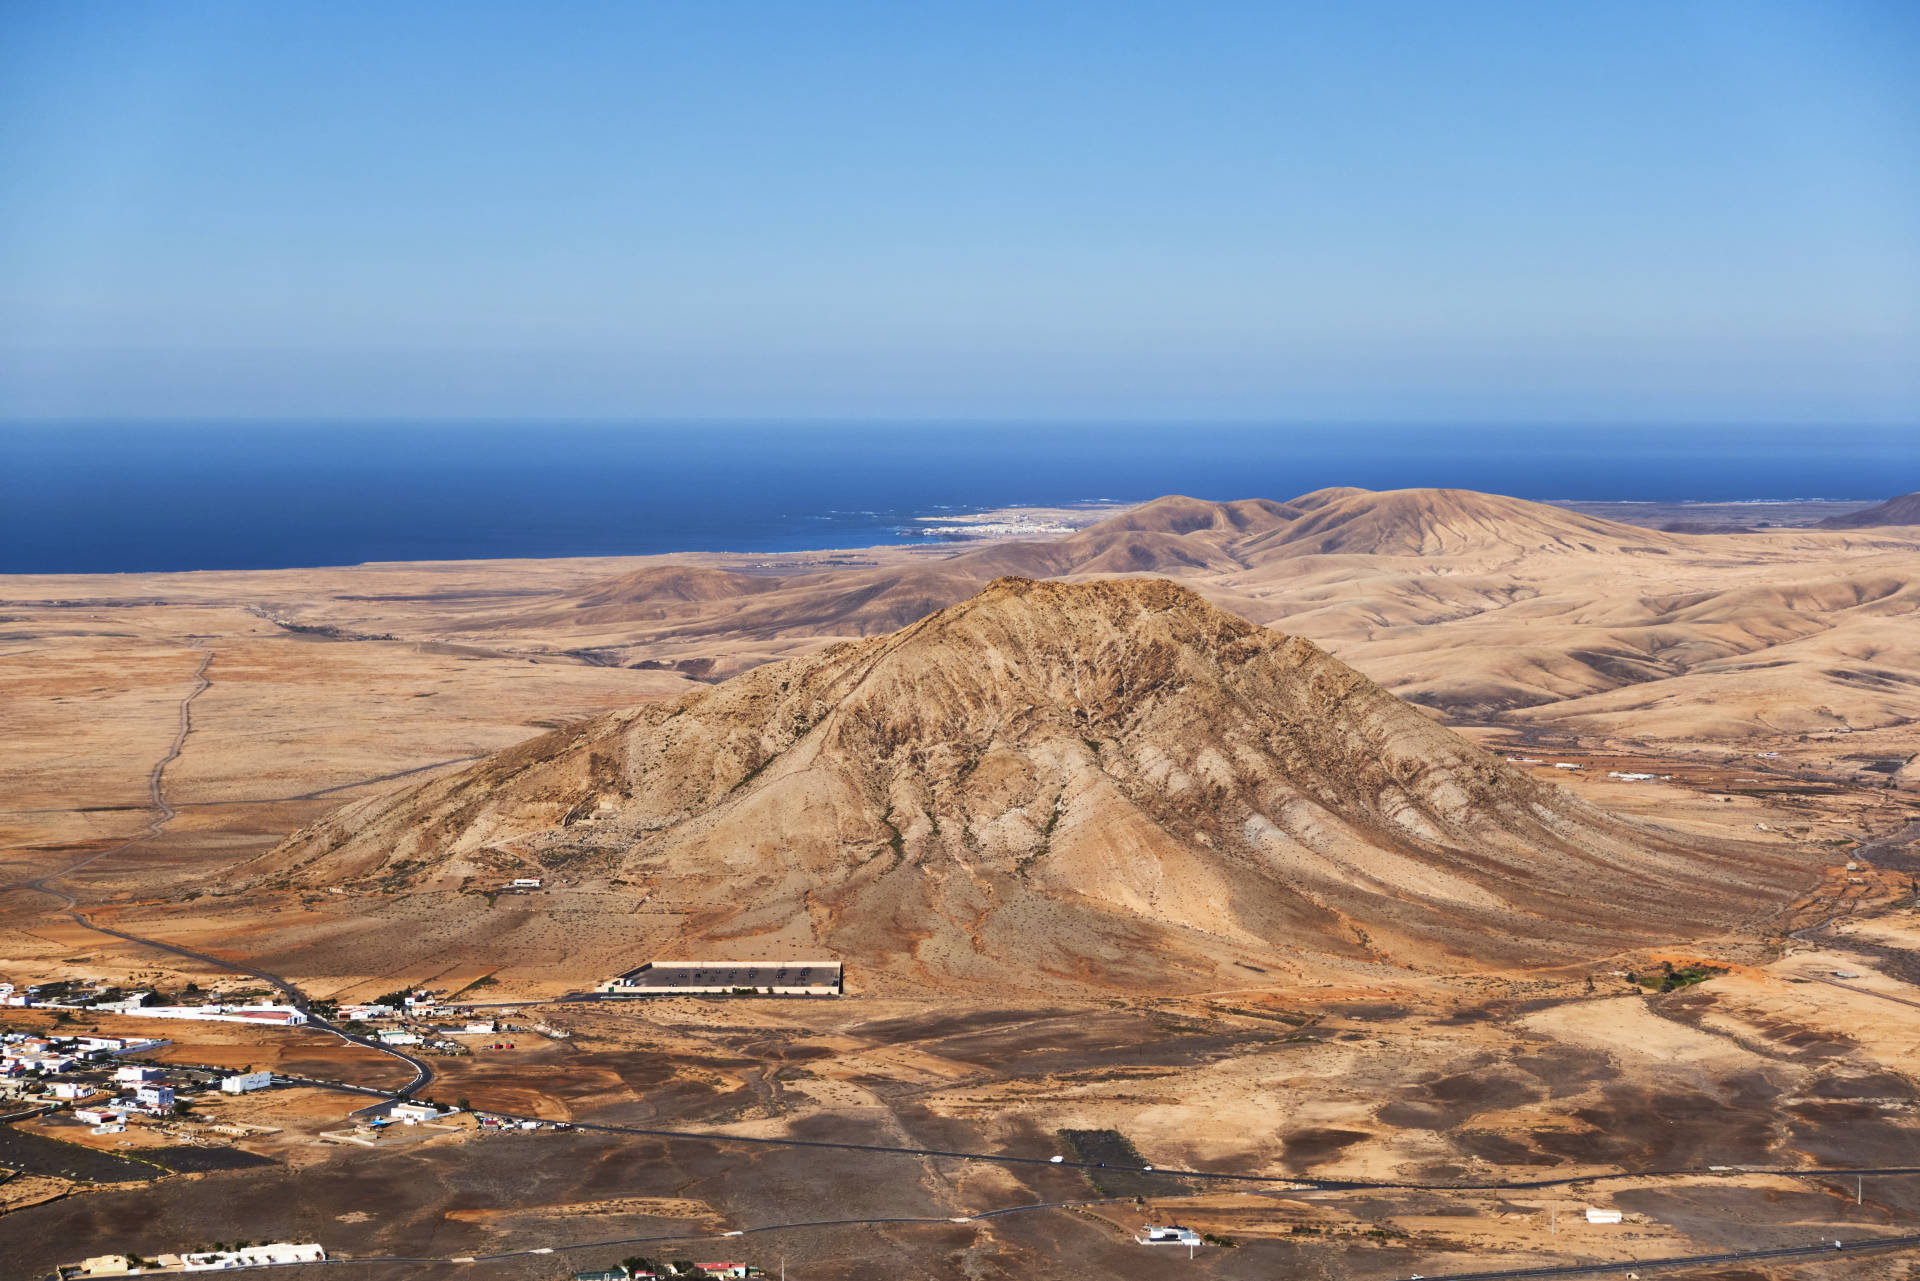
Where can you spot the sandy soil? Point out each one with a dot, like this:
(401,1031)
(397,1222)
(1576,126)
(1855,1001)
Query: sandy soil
(1700,660)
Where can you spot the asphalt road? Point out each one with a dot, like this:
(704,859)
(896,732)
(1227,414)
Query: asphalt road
(1824,1249)
(422,1071)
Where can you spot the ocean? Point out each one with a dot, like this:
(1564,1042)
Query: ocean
(112,497)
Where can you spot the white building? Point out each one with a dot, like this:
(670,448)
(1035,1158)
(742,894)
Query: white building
(414,1113)
(135,1073)
(1172,1234)
(71,1090)
(99,1115)
(246,1081)
(253,1256)
(360,1013)
(1603,1216)
(273,1015)
(483,1027)
(728,978)
(154,1098)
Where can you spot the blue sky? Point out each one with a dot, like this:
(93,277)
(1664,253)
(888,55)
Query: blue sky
(1661,211)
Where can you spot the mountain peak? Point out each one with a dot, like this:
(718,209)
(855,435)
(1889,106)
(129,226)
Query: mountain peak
(1097,785)
(1430,522)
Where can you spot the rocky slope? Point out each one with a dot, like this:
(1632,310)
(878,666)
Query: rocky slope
(1901,510)
(1104,785)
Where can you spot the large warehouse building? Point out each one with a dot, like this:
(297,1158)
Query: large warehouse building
(728,978)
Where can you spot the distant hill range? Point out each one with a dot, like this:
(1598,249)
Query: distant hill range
(1171,535)
(1903,510)
(1104,785)
(1477,605)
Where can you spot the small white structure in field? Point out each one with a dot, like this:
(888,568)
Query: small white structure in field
(414,1113)
(1172,1234)
(246,1081)
(1603,1216)
(524,883)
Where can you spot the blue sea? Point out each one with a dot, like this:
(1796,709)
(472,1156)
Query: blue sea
(104,497)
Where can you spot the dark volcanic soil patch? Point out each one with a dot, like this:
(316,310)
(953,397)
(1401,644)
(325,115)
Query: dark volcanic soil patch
(1414,1116)
(1310,1147)
(1096,1040)
(190,1160)
(1120,1172)
(1869,1085)
(1843,1134)
(1735,1218)
(395,1202)
(1479,1092)
(1645,1128)
(38,1154)
(1448,1101)
(1501,1149)
(1564,1070)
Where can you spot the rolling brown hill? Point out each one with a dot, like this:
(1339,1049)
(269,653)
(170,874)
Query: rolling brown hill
(1171,535)
(1443,522)
(1903,509)
(1105,785)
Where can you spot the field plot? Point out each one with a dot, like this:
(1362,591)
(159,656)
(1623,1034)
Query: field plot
(38,1154)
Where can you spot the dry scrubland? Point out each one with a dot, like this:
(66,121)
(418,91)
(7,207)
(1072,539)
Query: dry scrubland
(1099,855)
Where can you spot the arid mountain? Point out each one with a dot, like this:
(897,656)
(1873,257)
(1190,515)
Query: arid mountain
(1901,510)
(1442,522)
(1171,535)
(1105,785)
(1481,607)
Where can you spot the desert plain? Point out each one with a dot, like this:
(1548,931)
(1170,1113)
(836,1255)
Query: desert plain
(1329,855)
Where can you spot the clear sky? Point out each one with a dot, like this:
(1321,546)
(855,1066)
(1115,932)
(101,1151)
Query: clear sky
(1658,211)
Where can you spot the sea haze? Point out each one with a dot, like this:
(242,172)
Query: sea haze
(107,497)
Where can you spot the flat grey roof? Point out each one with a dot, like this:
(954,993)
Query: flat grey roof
(694,974)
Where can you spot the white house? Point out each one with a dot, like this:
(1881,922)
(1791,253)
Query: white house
(414,1113)
(246,1081)
(360,1013)
(1602,1216)
(135,1073)
(154,1098)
